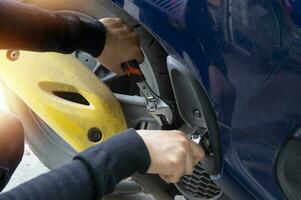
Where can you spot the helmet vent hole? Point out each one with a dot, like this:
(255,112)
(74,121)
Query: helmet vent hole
(94,135)
(72,96)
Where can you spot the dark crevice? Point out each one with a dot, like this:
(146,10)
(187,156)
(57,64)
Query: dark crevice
(72,96)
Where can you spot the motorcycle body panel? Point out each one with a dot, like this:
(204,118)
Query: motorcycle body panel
(71,103)
(246,54)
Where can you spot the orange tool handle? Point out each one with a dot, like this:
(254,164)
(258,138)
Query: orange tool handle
(132,69)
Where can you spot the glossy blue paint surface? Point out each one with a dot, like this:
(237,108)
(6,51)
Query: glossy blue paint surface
(247,54)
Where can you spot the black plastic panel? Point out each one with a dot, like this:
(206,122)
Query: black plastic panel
(195,109)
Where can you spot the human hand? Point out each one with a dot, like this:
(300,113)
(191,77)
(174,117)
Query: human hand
(122,45)
(172,154)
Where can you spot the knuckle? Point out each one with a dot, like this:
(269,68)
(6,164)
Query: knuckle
(178,160)
(177,178)
(181,152)
(184,141)
(190,171)
(202,154)
(126,28)
(174,180)
(174,162)
(167,180)
(139,52)
(119,20)
(134,36)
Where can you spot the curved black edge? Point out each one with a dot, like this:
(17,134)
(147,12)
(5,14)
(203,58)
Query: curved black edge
(5,176)
(288,169)
(190,95)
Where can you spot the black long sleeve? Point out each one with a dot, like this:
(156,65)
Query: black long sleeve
(26,27)
(92,173)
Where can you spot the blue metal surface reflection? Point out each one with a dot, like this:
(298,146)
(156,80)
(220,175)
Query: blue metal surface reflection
(247,54)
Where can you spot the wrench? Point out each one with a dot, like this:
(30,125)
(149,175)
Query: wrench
(162,111)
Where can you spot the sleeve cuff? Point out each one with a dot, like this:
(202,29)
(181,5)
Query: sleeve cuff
(93,37)
(125,155)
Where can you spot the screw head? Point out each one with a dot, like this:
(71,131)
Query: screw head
(197,113)
(13,55)
(94,135)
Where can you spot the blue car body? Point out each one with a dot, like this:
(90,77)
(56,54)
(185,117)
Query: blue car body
(247,54)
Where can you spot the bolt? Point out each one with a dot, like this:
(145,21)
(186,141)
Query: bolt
(197,113)
(13,55)
(94,135)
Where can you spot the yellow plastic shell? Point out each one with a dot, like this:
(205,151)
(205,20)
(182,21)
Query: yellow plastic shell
(34,77)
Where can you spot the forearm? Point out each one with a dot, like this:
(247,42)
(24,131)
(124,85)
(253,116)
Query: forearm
(25,27)
(72,181)
(92,174)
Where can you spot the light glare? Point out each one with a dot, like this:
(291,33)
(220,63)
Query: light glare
(3,105)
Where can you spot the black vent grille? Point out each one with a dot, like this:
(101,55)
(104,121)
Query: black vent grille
(199,185)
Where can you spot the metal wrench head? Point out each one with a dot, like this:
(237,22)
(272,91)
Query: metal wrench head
(159,109)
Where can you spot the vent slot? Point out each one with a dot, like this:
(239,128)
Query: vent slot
(199,185)
(72,96)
